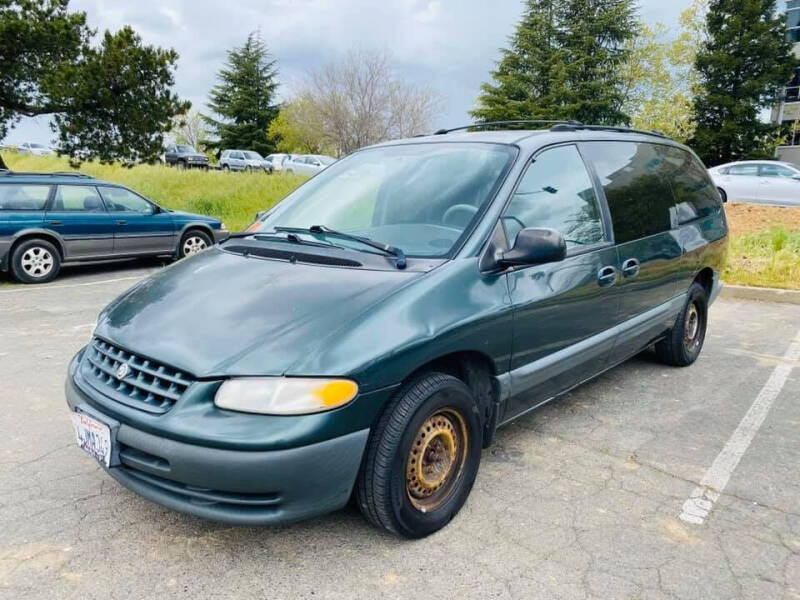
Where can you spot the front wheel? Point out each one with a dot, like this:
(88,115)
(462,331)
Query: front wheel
(684,341)
(722,195)
(193,242)
(35,261)
(422,457)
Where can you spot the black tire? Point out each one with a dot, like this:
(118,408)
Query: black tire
(683,343)
(191,242)
(226,168)
(248,169)
(722,195)
(181,164)
(289,172)
(386,490)
(35,261)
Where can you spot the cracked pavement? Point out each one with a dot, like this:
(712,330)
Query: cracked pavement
(579,499)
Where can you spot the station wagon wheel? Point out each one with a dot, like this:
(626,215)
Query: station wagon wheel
(35,261)
(422,457)
(683,343)
(193,242)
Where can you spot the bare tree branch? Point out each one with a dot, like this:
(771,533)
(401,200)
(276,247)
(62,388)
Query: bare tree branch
(359,101)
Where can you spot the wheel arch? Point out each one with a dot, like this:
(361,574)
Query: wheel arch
(477,371)
(30,234)
(705,277)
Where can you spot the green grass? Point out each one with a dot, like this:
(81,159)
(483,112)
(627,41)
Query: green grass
(233,197)
(765,259)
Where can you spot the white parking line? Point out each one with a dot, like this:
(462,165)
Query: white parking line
(41,288)
(702,498)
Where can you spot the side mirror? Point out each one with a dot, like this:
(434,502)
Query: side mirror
(260,215)
(535,246)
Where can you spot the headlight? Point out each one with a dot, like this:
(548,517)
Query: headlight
(284,395)
(222,227)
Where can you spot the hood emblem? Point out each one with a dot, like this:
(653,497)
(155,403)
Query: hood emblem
(122,371)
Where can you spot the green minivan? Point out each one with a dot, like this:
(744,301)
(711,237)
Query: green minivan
(366,337)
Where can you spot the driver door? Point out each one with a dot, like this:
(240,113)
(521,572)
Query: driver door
(564,312)
(142,228)
(777,184)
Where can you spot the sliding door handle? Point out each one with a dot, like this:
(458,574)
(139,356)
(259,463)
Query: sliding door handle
(607,276)
(631,267)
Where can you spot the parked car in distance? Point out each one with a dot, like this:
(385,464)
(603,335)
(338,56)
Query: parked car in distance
(35,149)
(243,160)
(51,219)
(185,157)
(308,164)
(278,160)
(385,318)
(758,181)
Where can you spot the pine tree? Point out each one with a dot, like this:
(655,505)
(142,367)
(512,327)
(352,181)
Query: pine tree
(743,65)
(563,63)
(244,98)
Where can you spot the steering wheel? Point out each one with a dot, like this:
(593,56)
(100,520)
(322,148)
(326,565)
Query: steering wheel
(458,210)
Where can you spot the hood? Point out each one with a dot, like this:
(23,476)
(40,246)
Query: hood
(219,314)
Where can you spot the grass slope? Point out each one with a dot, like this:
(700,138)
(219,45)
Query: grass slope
(233,197)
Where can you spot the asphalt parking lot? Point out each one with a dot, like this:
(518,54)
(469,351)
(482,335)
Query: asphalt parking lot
(605,493)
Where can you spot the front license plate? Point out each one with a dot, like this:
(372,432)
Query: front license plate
(93,436)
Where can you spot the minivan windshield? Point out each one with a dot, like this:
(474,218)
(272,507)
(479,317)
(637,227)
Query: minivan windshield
(421,198)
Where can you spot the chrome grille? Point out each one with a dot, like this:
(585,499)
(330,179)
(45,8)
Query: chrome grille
(147,385)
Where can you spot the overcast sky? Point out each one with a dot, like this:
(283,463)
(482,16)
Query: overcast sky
(449,45)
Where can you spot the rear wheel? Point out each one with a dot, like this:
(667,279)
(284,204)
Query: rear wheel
(684,341)
(422,457)
(723,196)
(35,261)
(194,241)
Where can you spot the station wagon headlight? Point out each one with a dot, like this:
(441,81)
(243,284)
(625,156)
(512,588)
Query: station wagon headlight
(284,395)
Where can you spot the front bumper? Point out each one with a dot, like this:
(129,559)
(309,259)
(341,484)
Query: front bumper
(233,486)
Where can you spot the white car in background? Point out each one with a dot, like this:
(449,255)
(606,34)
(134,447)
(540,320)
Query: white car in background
(758,181)
(308,164)
(35,149)
(278,160)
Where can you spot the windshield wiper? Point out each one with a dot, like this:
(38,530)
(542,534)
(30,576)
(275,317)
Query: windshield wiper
(399,255)
(291,237)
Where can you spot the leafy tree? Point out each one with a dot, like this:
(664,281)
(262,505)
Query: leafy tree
(743,66)
(111,100)
(244,99)
(298,128)
(660,79)
(564,62)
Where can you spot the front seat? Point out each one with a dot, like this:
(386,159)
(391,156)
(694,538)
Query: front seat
(93,203)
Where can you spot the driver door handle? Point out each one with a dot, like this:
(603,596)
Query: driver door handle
(122,222)
(607,276)
(631,267)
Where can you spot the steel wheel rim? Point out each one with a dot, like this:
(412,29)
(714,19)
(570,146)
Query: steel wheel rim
(691,328)
(37,262)
(436,459)
(194,245)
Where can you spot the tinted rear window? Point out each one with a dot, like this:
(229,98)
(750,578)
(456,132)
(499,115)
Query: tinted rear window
(695,193)
(16,196)
(633,176)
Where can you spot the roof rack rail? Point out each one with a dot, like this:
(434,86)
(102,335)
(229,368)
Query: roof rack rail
(512,122)
(575,126)
(9,173)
